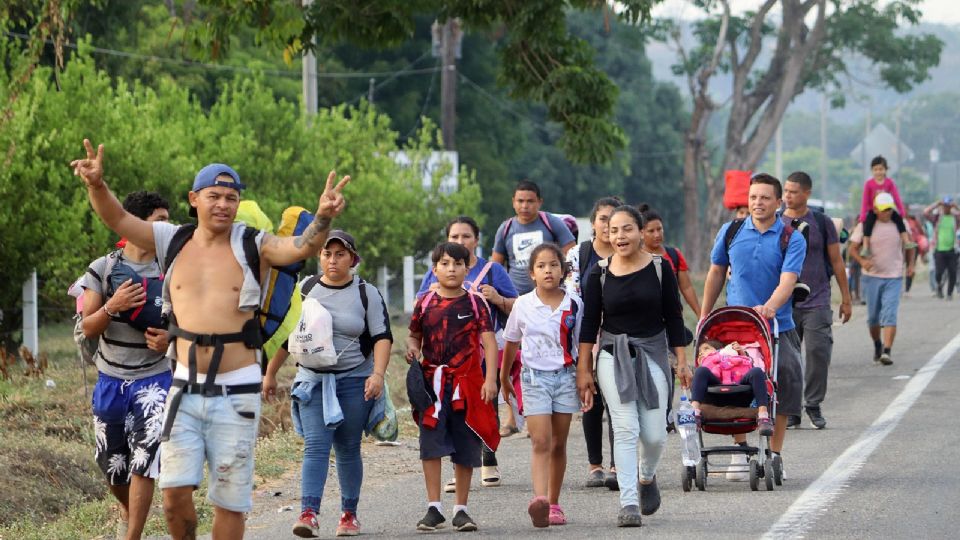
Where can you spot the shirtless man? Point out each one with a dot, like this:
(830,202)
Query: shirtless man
(212,294)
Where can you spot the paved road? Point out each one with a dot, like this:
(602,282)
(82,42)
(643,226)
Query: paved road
(903,482)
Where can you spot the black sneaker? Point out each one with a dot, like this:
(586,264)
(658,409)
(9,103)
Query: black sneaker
(877,350)
(816,417)
(463,523)
(793,421)
(432,521)
(629,516)
(610,480)
(649,497)
(885,359)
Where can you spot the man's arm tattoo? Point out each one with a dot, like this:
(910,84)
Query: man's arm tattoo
(320,224)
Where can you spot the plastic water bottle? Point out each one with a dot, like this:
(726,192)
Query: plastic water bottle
(687,427)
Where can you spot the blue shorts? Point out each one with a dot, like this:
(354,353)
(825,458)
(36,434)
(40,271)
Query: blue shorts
(548,392)
(128,419)
(451,437)
(883,299)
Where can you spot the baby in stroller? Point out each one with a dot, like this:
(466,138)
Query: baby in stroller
(726,365)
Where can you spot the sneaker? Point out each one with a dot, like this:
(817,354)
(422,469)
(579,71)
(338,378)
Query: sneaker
(778,463)
(595,478)
(557,517)
(463,523)
(793,421)
(307,526)
(610,480)
(885,359)
(539,510)
(451,486)
(489,477)
(816,417)
(766,426)
(738,466)
(629,516)
(432,521)
(349,525)
(649,497)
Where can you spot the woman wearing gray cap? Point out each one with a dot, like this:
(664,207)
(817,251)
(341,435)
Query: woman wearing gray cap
(331,405)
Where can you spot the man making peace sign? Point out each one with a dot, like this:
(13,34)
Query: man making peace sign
(211,293)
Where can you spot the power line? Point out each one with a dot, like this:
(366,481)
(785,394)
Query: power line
(426,103)
(221,67)
(394,74)
(504,105)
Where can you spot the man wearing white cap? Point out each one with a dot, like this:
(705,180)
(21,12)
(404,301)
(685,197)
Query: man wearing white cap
(943,214)
(882,276)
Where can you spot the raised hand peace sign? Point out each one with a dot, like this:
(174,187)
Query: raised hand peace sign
(332,201)
(90,169)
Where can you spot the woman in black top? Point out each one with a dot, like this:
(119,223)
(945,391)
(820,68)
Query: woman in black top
(635,301)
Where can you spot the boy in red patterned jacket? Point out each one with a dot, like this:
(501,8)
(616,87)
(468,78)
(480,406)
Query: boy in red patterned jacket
(451,328)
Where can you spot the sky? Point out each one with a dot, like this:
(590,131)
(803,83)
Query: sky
(939,11)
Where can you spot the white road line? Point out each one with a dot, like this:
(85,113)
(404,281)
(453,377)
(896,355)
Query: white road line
(808,507)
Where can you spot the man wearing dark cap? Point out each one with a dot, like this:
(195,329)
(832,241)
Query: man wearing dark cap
(212,295)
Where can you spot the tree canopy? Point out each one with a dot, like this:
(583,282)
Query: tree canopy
(810,44)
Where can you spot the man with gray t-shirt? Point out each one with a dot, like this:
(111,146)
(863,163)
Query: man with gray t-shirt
(814,316)
(517,236)
(134,374)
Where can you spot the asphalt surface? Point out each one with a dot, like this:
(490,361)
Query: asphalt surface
(902,483)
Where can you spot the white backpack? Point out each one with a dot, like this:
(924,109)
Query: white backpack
(311,342)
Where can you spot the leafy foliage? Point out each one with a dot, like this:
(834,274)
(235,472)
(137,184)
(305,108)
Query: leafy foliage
(540,60)
(156,139)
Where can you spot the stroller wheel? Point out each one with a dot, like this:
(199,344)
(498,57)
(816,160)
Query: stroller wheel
(768,474)
(777,470)
(701,472)
(754,474)
(686,477)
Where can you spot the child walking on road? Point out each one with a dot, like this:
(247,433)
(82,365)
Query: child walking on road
(547,322)
(448,327)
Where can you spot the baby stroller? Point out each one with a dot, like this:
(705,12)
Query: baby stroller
(744,325)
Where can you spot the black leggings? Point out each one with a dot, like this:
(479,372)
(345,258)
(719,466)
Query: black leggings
(703,377)
(946,262)
(871,219)
(593,431)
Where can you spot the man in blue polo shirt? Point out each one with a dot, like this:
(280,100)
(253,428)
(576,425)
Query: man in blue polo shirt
(762,275)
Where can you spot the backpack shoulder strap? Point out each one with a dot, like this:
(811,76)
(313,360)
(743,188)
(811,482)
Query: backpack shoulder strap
(251,252)
(584,257)
(483,273)
(731,233)
(506,229)
(785,238)
(674,257)
(309,284)
(545,218)
(362,286)
(180,238)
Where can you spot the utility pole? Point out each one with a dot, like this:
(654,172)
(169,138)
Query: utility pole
(370,90)
(450,39)
(823,149)
(309,77)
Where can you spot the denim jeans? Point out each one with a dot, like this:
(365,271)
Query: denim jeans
(633,422)
(344,439)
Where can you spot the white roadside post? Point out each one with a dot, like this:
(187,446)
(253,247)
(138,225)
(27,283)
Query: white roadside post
(31,330)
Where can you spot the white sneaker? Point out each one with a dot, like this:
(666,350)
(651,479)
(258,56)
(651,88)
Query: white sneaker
(741,472)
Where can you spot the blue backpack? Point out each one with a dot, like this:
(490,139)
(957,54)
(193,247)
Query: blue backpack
(149,314)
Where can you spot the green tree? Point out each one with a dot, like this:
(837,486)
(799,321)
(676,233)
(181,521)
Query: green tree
(811,43)
(156,139)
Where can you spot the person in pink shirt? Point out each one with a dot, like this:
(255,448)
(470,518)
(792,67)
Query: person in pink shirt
(875,185)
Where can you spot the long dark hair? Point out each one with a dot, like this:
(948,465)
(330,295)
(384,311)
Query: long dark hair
(634,213)
(467,220)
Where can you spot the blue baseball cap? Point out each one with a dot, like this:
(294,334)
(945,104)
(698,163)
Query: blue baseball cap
(207,177)
(948,200)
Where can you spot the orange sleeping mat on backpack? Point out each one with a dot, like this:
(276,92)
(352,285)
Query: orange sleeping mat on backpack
(736,187)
